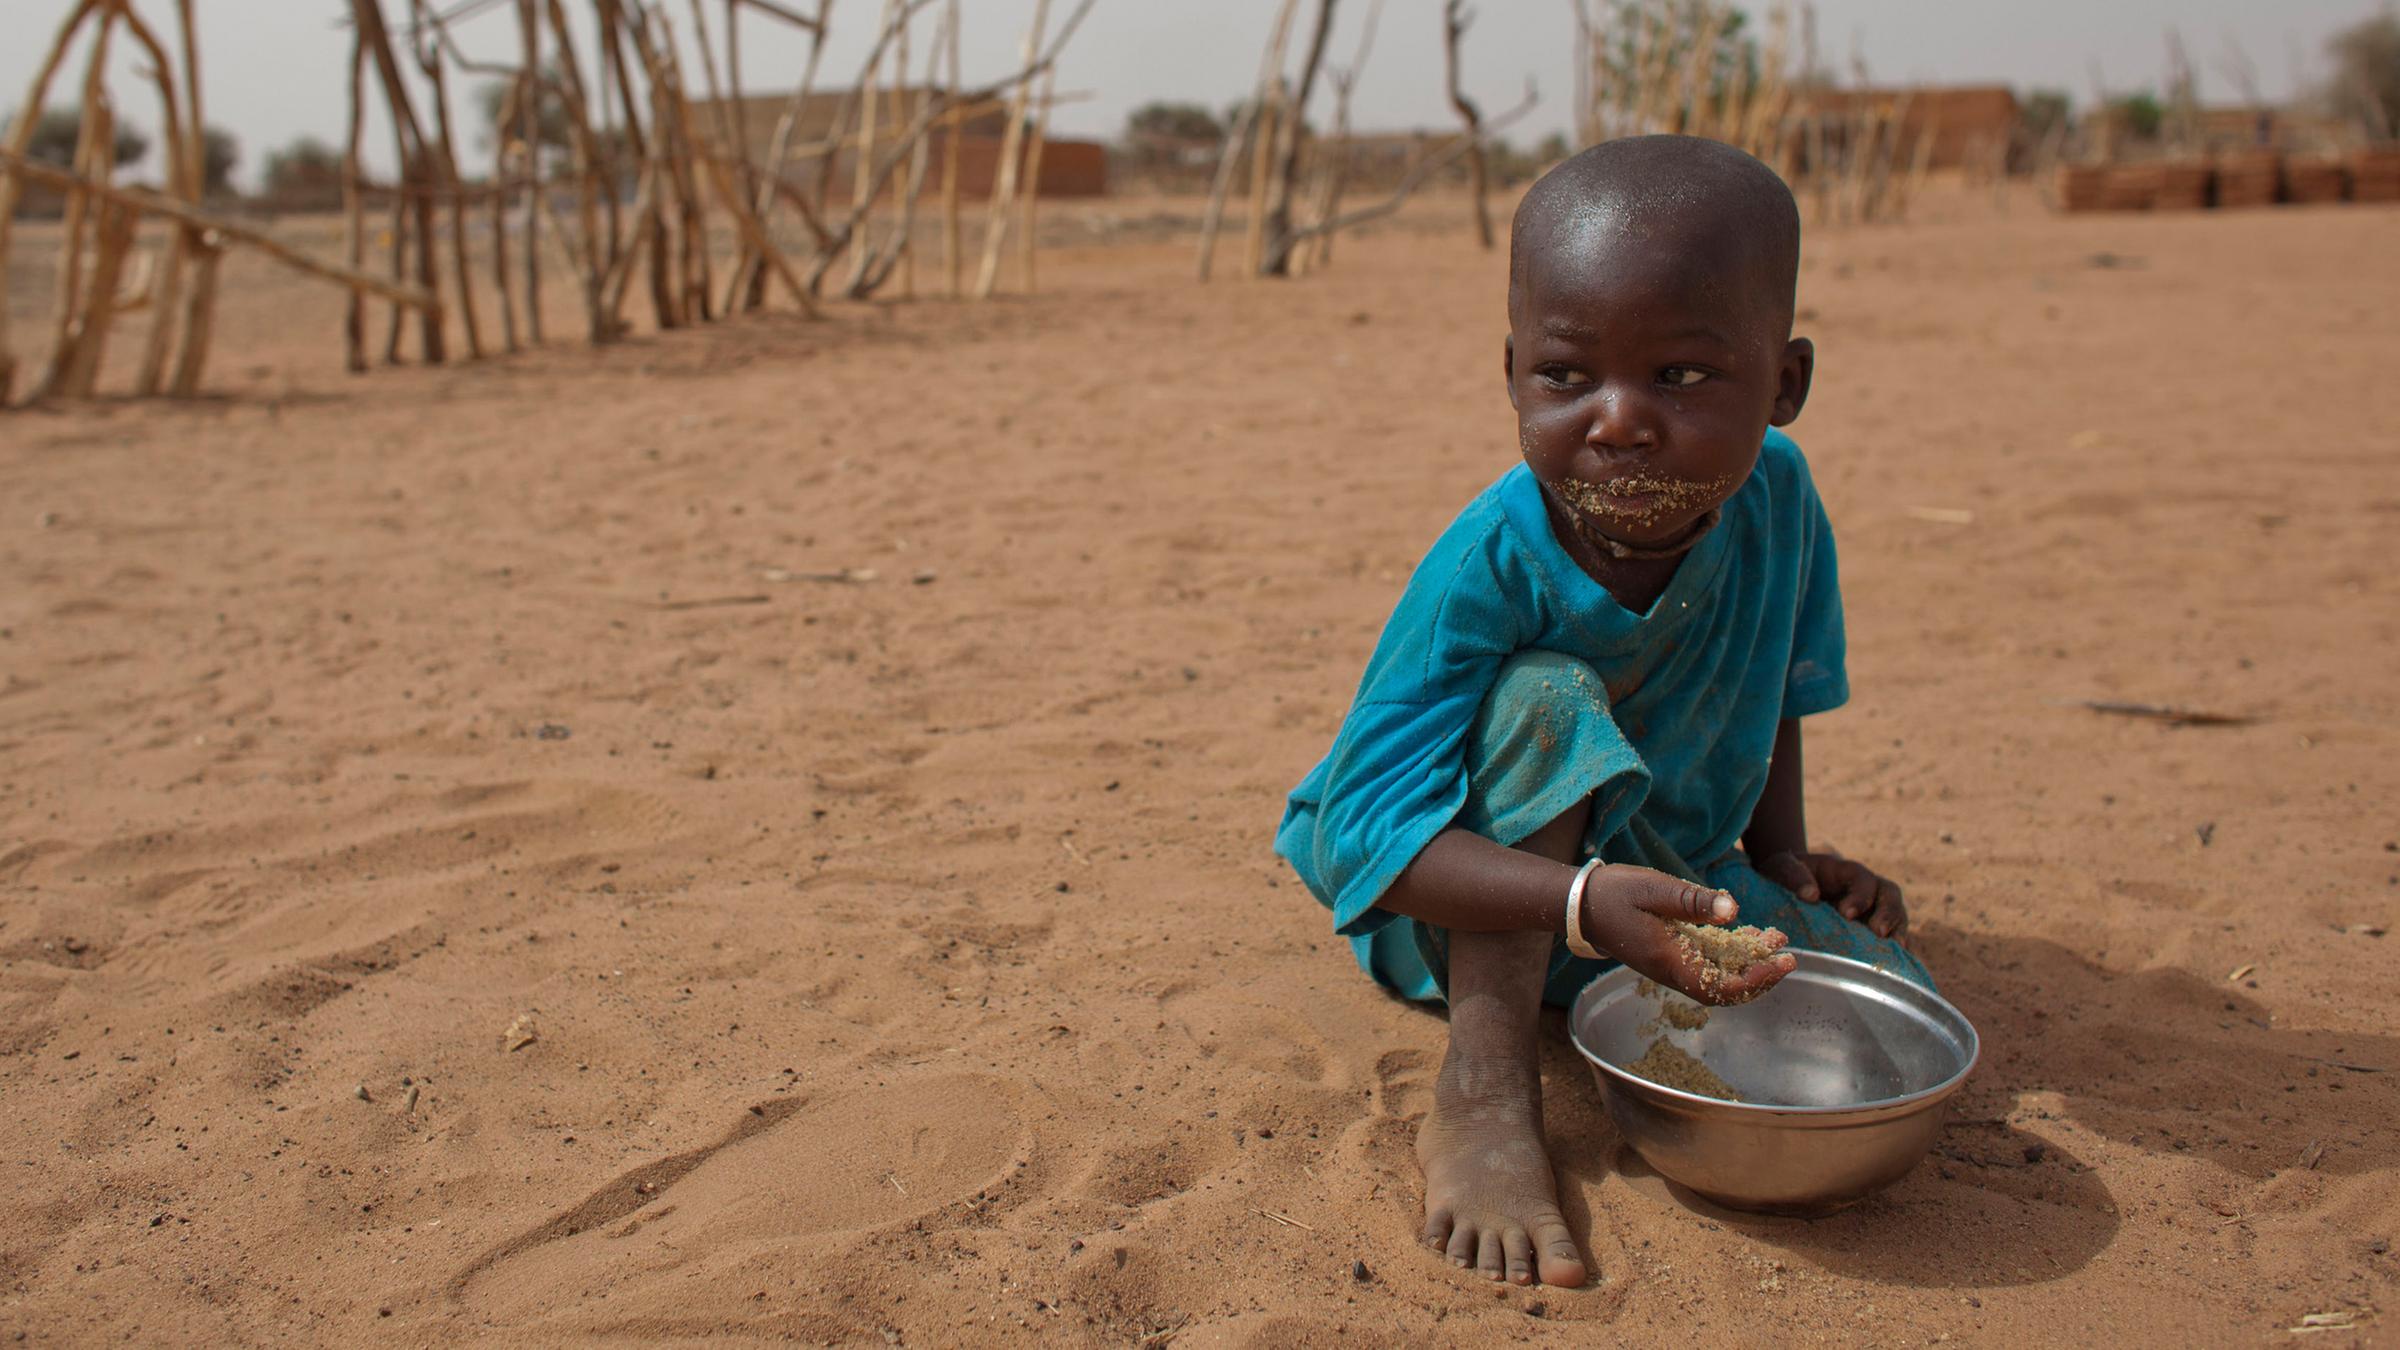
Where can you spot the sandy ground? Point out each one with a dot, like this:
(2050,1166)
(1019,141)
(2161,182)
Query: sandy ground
(905,958)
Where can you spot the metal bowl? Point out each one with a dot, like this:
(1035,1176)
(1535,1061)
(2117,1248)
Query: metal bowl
(1844,1070)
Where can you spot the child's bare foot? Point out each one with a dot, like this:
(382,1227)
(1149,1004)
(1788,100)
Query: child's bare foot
(1491,1200)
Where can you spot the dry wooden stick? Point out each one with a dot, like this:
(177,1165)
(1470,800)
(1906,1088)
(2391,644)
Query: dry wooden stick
(354,232)
(1919,162)
(11,185)
(1287,152)
(678,188)
(861,248)
(653,229)
(935,110)
(898,249)
(954,260)
(766,196)
(733,90)
(686,145)
(1338,178)
(67,343)
(75,359)
(746,286)
(588,166)
(1455,18)
(1276,260)
(1264,135)
(872,116)
(1762,127)
(444,154)
(1240,132)
(528,107)
(899,245)
(1699,66)
(415,165)
(1012,145)
(200,302)
(93,160)
(745,221)
(1416,176)
(728,135)
(156,203)
(187,173)
(846,106)
(903,112)
(646,221)
(112,239)
(189,180)
(1026,241)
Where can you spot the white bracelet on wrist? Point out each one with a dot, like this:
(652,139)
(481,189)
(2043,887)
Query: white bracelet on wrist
(1575,890)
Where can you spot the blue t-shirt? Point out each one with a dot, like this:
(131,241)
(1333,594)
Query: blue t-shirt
(1749,632)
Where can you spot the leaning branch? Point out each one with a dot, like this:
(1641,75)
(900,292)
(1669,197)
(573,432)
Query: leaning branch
(932,111)
(1432,164)
(144,199)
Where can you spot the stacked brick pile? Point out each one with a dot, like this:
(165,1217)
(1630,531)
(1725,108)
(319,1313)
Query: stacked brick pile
(2131,187)
(2184,187)
(2313,182)
(2252,178)
(2375,174)
(2082,187)
(2243,178)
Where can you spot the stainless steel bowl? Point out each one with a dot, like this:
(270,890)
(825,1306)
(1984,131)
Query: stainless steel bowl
(1844,1071)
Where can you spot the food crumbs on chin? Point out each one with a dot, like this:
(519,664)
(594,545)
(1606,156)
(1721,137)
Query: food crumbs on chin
(1674,496)
(1668,1065)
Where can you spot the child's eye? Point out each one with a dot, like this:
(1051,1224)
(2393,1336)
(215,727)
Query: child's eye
(1563,377)
(1681,377)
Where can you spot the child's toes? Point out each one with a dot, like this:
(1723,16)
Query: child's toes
(1437,1230)
(1491,1256)
(1562,1261)
(1461,1246)
(1519,1248)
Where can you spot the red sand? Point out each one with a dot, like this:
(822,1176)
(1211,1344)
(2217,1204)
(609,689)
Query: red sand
(908,960)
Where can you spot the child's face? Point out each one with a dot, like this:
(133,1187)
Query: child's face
(1645,372)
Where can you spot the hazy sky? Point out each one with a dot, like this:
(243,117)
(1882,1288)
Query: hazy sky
(274,70)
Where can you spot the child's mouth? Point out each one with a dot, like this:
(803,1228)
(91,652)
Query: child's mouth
(1638,498)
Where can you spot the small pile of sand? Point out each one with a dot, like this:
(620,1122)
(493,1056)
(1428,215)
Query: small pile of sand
(1723,953)
(1668,1065)
(1682,1014)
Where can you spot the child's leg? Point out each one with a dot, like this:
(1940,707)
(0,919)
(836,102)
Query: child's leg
(1491,1200)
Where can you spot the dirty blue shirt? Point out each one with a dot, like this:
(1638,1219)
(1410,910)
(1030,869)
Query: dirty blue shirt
(1748,633)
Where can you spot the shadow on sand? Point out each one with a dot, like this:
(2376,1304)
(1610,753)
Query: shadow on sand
(2160,1060)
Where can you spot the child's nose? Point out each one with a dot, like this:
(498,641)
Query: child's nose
(1622,419)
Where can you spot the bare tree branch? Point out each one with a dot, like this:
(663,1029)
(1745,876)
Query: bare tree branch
(1426,168)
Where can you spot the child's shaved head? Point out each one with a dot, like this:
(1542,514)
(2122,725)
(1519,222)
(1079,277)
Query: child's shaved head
(1719,207)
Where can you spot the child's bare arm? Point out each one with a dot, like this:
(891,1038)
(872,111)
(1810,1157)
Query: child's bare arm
(1777,842)
(1465,882)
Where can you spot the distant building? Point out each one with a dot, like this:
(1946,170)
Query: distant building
(1069,168)
(1966,123)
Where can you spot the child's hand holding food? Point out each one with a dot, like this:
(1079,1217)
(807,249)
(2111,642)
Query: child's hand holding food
(1672,931)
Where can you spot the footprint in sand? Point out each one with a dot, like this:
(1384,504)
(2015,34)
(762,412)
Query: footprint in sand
(843,1163)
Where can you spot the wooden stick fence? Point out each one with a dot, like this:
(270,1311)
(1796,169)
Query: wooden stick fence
(1267,132)
(584,115)
(1687,66)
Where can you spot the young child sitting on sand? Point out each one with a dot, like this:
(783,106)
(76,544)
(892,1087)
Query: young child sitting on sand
(1588,695)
